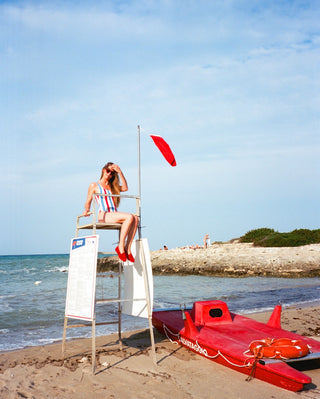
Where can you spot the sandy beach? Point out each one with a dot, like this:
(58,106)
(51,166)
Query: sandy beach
(128,372)
(41,372)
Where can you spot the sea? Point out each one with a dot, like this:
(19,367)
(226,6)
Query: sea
(33,296)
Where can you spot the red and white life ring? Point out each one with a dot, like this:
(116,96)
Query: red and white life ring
(282,348)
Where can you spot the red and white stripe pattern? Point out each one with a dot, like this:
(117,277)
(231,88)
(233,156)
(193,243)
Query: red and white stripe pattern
(106,204)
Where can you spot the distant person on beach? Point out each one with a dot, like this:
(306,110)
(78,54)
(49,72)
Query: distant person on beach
(165,248)
(206,241)
(109,184)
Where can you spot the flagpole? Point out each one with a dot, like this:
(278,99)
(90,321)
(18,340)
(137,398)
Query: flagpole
(139,183)
(143,260)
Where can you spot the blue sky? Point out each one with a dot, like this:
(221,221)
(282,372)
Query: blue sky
(232,85)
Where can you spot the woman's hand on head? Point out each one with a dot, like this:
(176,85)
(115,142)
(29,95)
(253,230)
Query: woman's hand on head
(115,167)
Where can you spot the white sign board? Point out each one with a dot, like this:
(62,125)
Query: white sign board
(134,294)
(81,290)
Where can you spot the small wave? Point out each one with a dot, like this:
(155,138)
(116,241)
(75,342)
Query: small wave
(11,296)
(304,304)
(254,310)
(47,341)
(10,346)
(29,269)
(20,272)
(61,269)
(6,308)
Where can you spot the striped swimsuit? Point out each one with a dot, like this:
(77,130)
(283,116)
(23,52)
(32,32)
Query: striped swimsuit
(106,204)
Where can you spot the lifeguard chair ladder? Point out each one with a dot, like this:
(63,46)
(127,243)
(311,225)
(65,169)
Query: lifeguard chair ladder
(94,226)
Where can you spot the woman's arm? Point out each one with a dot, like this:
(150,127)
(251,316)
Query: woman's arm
(124,185)
(87,205)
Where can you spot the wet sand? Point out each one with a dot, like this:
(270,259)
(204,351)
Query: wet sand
(41,372)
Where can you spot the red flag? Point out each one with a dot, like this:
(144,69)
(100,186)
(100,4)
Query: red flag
(165,149)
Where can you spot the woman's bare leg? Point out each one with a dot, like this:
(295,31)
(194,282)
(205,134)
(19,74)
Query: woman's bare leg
(131,233)
(128,222)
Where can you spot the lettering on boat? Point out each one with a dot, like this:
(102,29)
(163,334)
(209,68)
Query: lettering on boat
(194,346)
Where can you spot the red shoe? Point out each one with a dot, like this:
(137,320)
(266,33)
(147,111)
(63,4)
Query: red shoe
(122,256)
(130,257)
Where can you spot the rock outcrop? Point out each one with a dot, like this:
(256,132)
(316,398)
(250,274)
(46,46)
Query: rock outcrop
(232,260)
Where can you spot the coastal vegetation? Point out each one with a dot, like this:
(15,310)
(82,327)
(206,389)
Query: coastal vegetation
(266,237)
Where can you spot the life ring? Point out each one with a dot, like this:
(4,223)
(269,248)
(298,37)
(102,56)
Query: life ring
(282,348)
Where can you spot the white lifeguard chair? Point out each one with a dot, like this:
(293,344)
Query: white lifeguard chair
(142,263)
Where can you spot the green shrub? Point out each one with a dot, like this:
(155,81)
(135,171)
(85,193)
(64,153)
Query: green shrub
(256,235)
(269,238)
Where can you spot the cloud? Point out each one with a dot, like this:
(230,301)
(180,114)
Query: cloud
(81,23)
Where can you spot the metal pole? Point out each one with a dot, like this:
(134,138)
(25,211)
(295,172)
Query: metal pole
(64,335)
(143,260)
(119,307)
(147,292)
(139,183)
(93,338)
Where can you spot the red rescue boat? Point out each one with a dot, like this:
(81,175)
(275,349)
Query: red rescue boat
(263,351)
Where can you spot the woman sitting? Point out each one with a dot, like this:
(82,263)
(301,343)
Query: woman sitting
(109,184)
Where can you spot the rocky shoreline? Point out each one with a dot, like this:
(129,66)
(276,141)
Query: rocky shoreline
(232,259)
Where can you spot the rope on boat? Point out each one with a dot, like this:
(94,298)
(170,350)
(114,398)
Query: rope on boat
(246,364)
(253,370)
(203,350)
(248,353)
(166,330)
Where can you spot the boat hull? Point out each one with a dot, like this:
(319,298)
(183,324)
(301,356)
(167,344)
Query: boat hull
(225,339)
